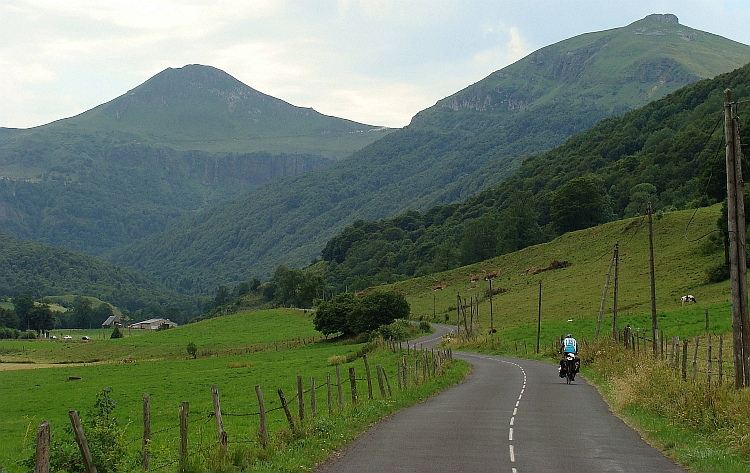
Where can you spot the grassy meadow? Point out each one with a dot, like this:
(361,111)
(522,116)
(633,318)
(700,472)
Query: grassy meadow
(235,353)
(571,296)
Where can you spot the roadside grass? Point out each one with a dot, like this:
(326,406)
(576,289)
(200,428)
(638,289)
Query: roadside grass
(703,427)
(30,396)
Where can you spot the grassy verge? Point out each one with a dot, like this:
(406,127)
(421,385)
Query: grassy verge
(705,428)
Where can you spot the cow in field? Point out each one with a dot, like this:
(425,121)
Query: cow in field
(688,299)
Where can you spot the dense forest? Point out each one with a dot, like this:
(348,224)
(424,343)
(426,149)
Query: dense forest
(670,153)
(40,270)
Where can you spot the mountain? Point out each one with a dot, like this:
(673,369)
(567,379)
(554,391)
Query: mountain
(467,142)
(202,108)
(40,270)
(670,152)
(181,142)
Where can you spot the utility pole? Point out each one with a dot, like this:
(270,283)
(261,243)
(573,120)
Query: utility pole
(737,261)
(604,297)
(614,300)
(654,322)
(539,318)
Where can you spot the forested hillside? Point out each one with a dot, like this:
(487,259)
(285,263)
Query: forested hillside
(465,143)
(183,141)
(40,270)
(670,152)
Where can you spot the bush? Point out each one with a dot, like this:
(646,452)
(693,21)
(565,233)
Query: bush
(105,438)
(9,333)
(424,326)
(116,333)
(27,336)
(717,273)
(192,350)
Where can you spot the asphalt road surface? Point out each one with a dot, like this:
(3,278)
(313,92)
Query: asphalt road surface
(509,415)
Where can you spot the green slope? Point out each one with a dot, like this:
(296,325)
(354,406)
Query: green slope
(40,270)
(667,144)
(183,141)
(450,151)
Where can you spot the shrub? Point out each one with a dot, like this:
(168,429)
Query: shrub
(27,336)
(717,273)
(424,326)
(192,350)
(116,333)
(9,333)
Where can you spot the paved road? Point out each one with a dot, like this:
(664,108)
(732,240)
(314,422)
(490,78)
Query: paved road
(509,415)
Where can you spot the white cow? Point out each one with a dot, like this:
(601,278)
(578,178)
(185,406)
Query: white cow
(687,299)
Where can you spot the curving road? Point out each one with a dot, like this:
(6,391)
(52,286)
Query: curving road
(509,415)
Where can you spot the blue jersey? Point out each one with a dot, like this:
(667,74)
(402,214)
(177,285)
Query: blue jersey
(570,345)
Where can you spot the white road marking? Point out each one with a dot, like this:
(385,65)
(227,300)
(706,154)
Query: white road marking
(510,435)
(512,420)
(512,456)
(515,411)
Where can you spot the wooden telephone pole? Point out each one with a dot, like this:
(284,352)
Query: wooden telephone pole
(737,261)
(654,321)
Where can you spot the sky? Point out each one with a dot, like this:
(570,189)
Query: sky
(372,61)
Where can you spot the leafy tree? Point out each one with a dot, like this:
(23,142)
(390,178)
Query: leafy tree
(192,350)
(8,318)
(101,313)
(518,225)
(222,296)
(479,240)
(40,318)
(83,312)
(332,316)
(376,309)
(640,195)
(22,304)
(576,205)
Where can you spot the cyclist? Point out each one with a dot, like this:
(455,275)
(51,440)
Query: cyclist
(569,345)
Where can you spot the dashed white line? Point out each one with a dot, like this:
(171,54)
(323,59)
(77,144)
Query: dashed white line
(512,420)
(512,455)
(510,435)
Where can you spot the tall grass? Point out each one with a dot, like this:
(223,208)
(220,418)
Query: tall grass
(703,426)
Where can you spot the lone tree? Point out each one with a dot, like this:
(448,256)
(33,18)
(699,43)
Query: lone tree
(192,350)
(348,314)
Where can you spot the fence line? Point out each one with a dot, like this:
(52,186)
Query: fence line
(429,361)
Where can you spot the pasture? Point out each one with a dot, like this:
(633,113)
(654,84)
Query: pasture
(163,369)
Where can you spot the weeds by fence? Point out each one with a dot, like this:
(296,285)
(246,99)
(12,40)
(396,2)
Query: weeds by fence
(413,368)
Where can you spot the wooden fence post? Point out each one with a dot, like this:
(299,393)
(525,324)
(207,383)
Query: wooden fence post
(287,412)
(313,406)
(398,374)
(223,442)
(88,462)
(300,399)
(42,448)
(146,432)
(387,383)
(183,454)
(708,365)
(328,390)
(379,371)
(353,383)
(262,430)
(369,378)
(721,358)
(695,357)
(340,388)
(684,359)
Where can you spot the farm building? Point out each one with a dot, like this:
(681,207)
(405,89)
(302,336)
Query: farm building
(153,324)
(112,321)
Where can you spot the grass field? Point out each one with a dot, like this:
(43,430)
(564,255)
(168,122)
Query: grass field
(571,297)
(163,369)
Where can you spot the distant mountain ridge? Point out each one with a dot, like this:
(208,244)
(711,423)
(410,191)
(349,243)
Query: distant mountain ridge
(203,108)
(465,143)
(181,142)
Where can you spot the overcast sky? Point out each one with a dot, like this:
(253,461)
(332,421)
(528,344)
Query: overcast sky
(372,61)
